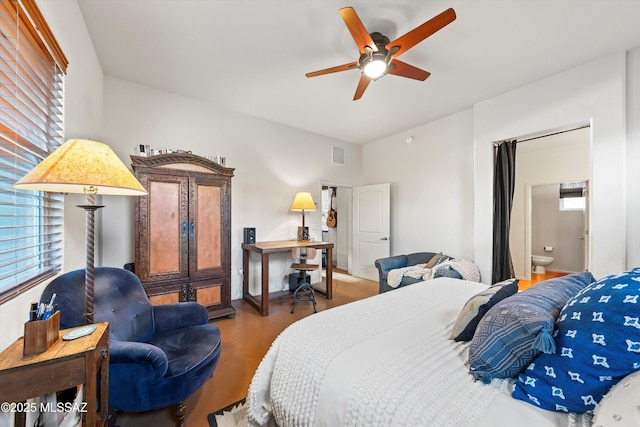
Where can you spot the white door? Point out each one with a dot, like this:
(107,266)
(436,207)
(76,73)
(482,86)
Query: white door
(371,228)
(586,237)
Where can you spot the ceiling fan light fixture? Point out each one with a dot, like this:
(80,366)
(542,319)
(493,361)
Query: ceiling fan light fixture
(375,68)
(378,55)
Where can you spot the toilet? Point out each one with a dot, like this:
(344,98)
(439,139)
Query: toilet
(539,262)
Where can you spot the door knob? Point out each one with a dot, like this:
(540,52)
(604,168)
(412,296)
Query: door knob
(384,238)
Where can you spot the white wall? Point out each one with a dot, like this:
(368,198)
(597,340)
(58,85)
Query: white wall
(633,158)
(83,118)
(431,185)
(595,93)
(272,162)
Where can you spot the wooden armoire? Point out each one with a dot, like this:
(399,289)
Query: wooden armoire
(183,231)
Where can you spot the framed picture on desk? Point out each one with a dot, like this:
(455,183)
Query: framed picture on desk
(303,234)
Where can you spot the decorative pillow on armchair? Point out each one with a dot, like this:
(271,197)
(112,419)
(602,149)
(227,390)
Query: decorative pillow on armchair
(436,259)
(597,342)
(477,307)
(518,328)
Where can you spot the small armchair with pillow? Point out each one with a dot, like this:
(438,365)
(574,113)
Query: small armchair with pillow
(159,355)
(385,265)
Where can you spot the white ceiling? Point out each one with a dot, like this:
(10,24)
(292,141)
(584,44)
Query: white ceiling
(251,56)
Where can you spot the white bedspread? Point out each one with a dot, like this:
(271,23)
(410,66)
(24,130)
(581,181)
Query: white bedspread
(386,361)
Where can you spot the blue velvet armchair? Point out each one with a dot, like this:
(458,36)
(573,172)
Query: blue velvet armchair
(159,355)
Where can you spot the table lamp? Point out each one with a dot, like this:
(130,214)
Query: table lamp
(85,167)
(303,202)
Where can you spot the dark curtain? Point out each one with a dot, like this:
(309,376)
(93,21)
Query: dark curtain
(504,177)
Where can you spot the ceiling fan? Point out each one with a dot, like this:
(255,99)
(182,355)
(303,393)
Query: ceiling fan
(378,56)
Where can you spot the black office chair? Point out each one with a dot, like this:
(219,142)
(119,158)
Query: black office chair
(304,290)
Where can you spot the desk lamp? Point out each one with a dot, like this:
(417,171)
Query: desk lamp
(303,202)
(85,167)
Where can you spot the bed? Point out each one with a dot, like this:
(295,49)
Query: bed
(387,361)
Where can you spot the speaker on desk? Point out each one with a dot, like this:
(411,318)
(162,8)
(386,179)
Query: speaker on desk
(249,235)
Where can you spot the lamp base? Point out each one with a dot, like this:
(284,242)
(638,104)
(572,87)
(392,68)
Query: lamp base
(89,278)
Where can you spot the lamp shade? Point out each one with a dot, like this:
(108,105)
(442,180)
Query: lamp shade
(303,202)
(78,165)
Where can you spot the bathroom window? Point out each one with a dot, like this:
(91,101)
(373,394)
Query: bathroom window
(573,196)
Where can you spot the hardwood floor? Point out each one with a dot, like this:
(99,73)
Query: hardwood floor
(245,340)
(536,278)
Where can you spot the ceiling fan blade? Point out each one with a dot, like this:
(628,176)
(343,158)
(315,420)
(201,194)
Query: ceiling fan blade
(362,86)
(356,28)
(415,36)
(402,69)
(344,67)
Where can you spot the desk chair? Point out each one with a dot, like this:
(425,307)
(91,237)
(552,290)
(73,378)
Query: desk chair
(304,290)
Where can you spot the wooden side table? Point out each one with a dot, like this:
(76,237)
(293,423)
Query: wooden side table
(64,365)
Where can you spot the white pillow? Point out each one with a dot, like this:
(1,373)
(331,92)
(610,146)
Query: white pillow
(620,407)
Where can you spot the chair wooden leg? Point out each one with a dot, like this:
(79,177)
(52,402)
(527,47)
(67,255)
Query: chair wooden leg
(112,417)
(181,410)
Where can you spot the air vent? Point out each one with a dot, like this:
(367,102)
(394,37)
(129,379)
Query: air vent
(337,155)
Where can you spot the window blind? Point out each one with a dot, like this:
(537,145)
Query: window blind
(32,68)
(572,189)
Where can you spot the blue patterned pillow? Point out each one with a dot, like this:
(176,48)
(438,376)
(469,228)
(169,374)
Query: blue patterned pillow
(517,329)
(598,343)
(478,305)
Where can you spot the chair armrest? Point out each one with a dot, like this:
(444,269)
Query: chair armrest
(385,265)
(140,361)
(180,315)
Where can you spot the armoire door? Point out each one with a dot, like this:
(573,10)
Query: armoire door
(206,227)
(164,233)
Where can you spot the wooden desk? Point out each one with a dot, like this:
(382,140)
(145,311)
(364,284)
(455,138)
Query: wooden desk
(64,365)
(267,248)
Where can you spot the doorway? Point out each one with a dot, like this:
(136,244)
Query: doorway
(550,159)
(355,252)
(558,224)
(337,198)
